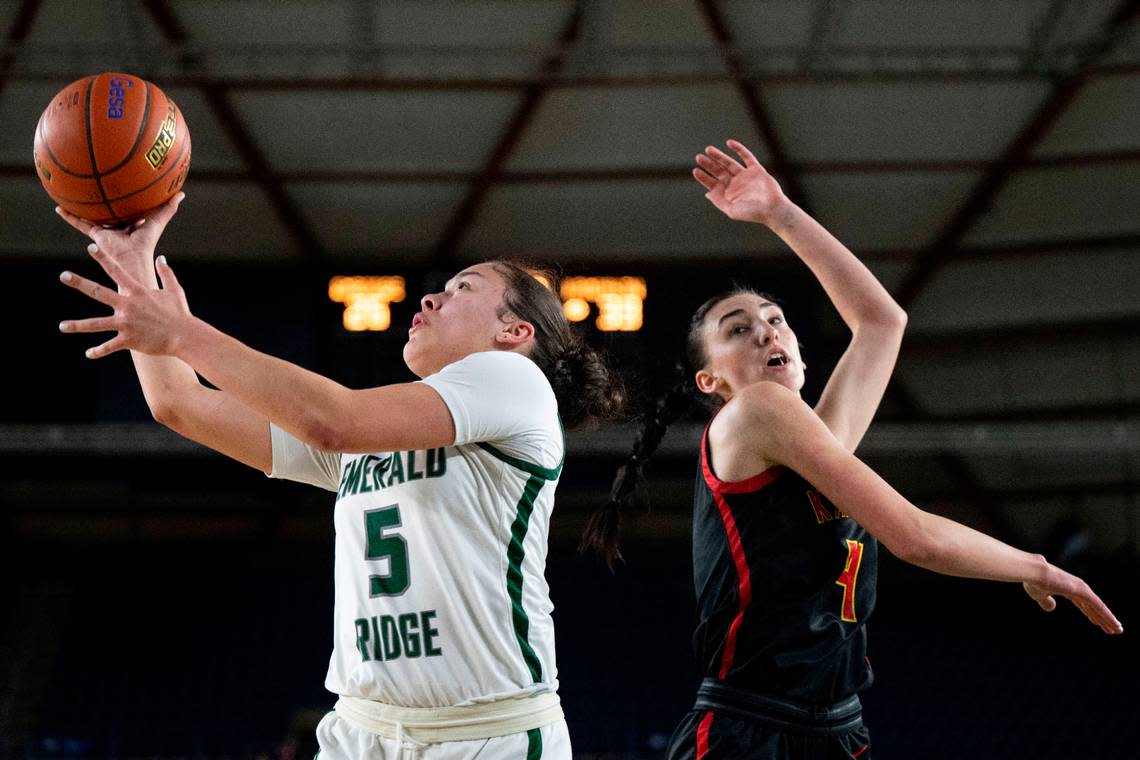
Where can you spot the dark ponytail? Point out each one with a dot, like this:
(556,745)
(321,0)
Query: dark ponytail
(587,390)
(603,530)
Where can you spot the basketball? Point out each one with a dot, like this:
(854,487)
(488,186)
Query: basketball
(111,147)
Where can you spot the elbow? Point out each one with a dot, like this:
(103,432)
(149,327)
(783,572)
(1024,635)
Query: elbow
(324,434)
(164,413)
(915,547)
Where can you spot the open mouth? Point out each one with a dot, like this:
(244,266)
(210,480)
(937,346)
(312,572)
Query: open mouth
(777,360)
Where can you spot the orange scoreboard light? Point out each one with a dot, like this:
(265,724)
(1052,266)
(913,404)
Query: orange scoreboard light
(366,300)
(619,301)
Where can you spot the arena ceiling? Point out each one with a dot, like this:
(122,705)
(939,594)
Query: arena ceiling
(983,156)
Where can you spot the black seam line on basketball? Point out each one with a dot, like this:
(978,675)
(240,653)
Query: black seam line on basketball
(59,165)
(139,136)
(91,150)
(152,183)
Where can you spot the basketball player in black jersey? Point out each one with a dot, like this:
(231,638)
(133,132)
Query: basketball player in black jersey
(786,517)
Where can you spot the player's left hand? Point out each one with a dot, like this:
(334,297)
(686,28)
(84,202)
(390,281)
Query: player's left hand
(743,191)
(1060,583)
(144,319)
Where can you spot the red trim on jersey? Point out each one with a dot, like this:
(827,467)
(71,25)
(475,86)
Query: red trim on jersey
(861,750)
(744,590)
(703,735)
(718,486)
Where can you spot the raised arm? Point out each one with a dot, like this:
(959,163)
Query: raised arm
(171,345)
(770,423)
(746,192)
(173,393)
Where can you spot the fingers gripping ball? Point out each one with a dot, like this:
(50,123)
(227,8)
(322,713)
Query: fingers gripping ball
(111,147)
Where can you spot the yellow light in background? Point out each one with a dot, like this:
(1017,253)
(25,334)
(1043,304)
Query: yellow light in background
(619,301)
(366,300)
(576,309)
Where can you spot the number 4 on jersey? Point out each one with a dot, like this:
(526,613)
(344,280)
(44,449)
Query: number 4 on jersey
(379,546)
(847,579)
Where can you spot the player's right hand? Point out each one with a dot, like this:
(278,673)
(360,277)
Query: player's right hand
(133,246)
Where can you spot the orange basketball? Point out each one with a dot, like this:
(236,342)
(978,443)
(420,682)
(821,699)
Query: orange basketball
(110,148)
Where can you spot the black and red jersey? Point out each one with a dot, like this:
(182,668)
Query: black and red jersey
(785,583)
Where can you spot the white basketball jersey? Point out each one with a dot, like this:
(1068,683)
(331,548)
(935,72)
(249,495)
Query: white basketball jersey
(441,597)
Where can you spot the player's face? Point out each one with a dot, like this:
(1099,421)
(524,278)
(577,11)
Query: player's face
(747,340)
(461,319)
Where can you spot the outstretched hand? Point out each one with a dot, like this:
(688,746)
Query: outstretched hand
(145,319)
(1078,592)
(742,189)
(132,246)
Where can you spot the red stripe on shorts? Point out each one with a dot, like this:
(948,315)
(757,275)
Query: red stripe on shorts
(703,735)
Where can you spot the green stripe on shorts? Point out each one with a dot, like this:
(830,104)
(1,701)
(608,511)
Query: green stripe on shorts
(534,744)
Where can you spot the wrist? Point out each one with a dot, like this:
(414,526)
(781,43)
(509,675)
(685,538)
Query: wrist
(782,216)
(187,338)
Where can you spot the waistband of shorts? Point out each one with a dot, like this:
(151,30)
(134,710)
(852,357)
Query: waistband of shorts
(482,720)
(749,705)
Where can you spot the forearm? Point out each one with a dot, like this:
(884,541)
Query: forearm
(301,402)
(858,296)
(950,548)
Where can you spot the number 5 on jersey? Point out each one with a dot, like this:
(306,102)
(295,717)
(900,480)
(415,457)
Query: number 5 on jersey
(380,546)
(847,578)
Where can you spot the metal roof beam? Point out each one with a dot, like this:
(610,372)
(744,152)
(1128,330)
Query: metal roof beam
(778,162)
(1016,153)
(461,221)
(288,212)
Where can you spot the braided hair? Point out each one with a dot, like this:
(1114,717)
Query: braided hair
(602,533)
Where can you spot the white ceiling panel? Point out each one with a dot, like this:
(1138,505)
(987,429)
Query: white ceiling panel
(1064,202)
(509,23)
(1105,116)
(401,131)
(771,24)
(886,210)
(900,121)
(266,22)
(211,148)
(665,218)
(1016,291)
(940,24)
(481,38)
(122,26)
(626,127)
(221,221)
(653,23)
(374,221)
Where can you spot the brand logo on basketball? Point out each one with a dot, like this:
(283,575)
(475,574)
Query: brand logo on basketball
(157,153)
(117,97)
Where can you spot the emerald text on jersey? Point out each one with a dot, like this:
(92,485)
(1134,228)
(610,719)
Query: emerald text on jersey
(375,473)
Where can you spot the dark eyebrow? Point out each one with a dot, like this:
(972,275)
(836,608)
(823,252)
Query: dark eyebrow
(465,274)
(744,312)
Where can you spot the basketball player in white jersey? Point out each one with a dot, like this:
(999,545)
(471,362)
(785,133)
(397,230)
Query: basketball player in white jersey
(444,643)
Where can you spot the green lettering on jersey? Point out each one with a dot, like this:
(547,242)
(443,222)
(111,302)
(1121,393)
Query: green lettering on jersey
(362,637)
(437,463)
(391,637)
(350,483)
(409,625)
(413,474)
(430,650)
(396,470)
